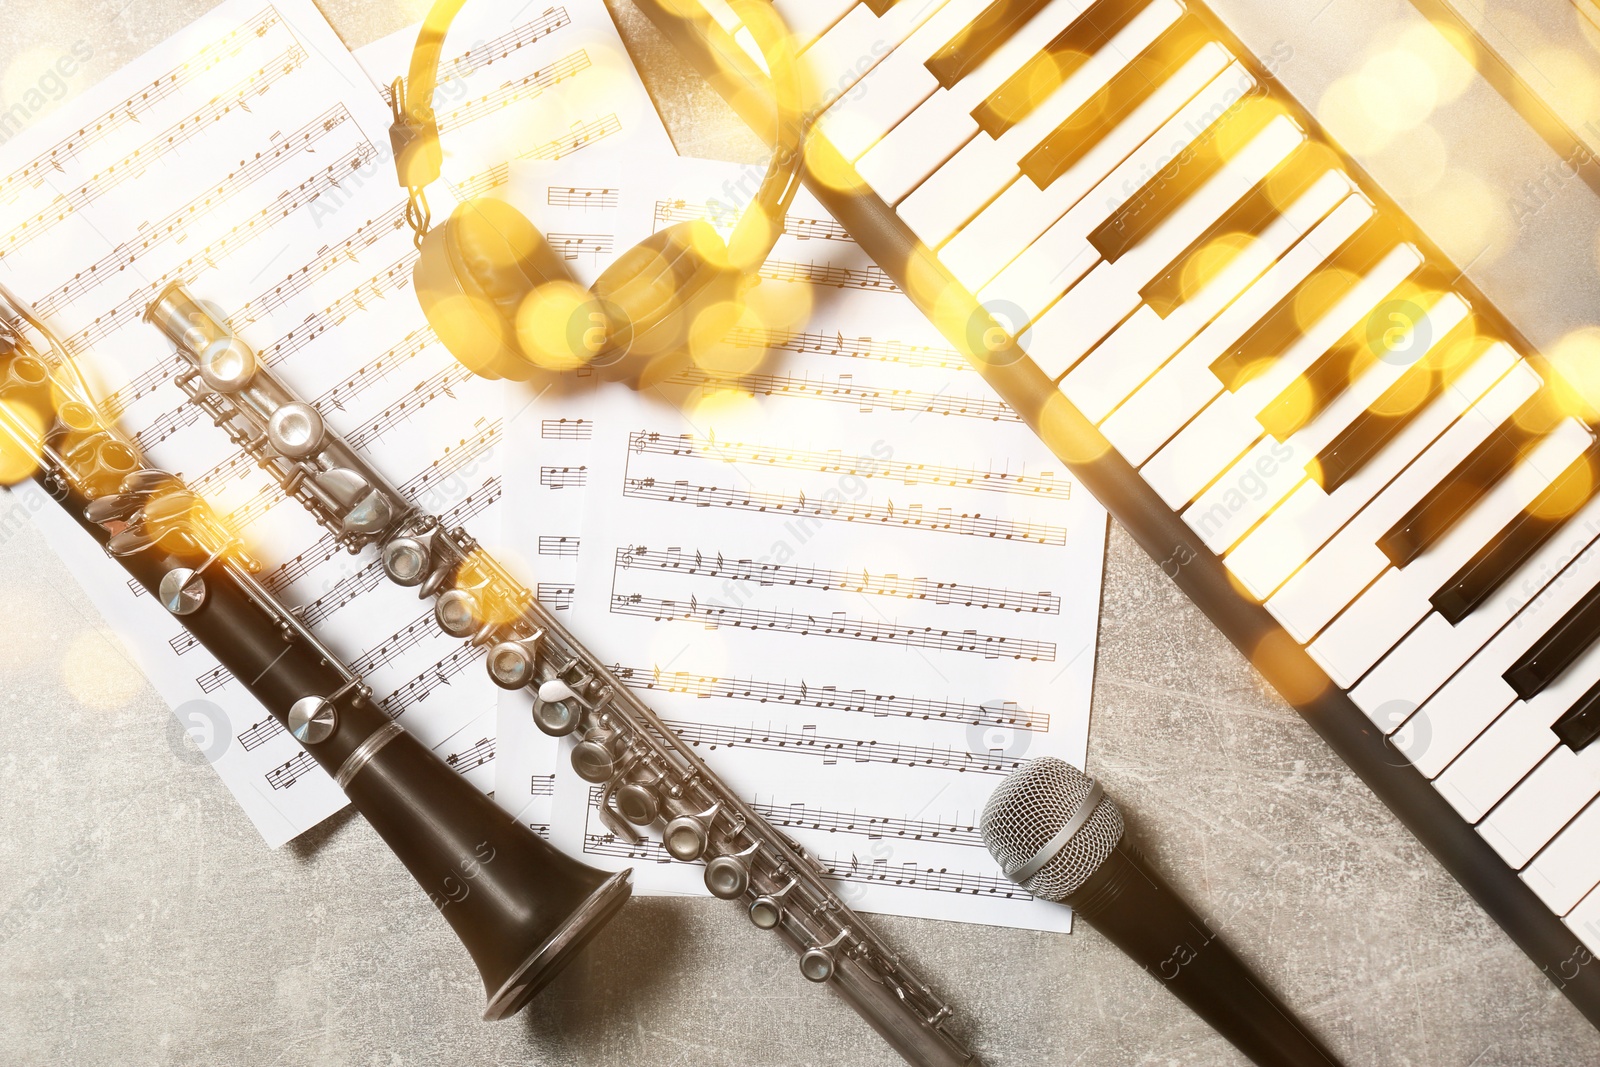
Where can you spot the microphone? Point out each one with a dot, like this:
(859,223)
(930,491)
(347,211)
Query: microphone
(1055,833)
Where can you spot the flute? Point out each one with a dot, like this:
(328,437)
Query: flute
(648,776)
(521,907)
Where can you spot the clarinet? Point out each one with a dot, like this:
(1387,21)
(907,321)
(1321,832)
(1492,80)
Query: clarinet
(648,776)
(521,907)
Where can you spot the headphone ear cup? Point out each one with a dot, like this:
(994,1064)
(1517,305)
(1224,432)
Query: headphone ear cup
(652,295)
(473,274)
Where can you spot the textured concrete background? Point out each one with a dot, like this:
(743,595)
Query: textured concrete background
(142,922)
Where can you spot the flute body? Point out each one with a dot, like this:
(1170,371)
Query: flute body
(520,906)
(648,777)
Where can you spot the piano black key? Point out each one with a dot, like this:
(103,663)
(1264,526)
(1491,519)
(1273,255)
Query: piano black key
(980,38)
(1581,724)
(1174,184)
(1253,213)
(1374,428)
(1329,375)
(1133,85)
(1059,60)
(1312,298)
(1552,654)
(1443,505)
(1522,537)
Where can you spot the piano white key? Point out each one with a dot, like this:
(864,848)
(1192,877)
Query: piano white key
(1569,867)
(1478,693)
(1145,420)
(1305,521)
(1154,131)
(1089,311)
(809,19)
(1329,580)
(1398,600)
(1584,921)
(1136,350)
(1512,745)
(859,118)
(986,165)
(1434,651)
(1202,450)
(1062,255)
(1260,479)
(934,132)
(1542,803)
(835,65)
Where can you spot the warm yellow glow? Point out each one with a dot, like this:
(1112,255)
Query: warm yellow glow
(1062,433)
(98,671)
(708,345)
(1202,268)
(1250,116)
(780,307)
(1568,76)
(1468,219)
(1294,675)
(1576,359)
(729,412)
(560,327)
(19,459)
(1414,165)
(1566,497)
(1294,407)
(1317,295)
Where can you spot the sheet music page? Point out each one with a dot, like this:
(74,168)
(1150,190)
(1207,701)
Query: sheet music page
(249,158)
(554,85)
(837,564)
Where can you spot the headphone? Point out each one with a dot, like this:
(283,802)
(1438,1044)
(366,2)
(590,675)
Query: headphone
(505,303)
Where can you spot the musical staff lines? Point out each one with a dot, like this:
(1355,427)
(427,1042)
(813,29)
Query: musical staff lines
(564,477)
(541,785)
(912,517)
(833,624)
(528,87)
(837,344)
(828,275)
(570,246)
(474,757)
(832,698)
(669,212)
(872,827)
(287,774)
(140,159)
(599,198)
(563,545)
(807,742)
(260,733)
(556,596)
(843,390)
(677,561)
(566,430)
(582,136)
(455,459)
(131,109)
(246,174)
(833,462)
(513,40)
(435,677)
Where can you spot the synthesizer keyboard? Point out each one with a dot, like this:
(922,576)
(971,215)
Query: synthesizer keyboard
(1333,443)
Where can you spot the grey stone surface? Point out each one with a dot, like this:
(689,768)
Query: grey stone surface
(143,922)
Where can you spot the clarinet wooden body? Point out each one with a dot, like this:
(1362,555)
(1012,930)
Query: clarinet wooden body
(648,777)
(521,907)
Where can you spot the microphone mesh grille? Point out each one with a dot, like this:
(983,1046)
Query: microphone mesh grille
(1028,809)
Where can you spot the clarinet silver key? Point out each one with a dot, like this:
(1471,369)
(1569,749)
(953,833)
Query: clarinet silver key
(648,776)
(521,907)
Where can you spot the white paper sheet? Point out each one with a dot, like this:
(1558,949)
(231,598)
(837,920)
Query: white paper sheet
(851,576)
(248,157)
(556,85)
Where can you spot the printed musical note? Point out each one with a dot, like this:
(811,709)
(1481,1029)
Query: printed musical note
(842,389)
(598,198)
(669,212)
(566,430)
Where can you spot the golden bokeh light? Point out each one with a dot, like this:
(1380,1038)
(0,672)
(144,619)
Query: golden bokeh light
(1576,359)
(559,326)
(19,459)
(99,671)
(1319,293)
(1061,430)
(708,340)
(1566,496)
(1414,165)
(1466,217)
(1202,268)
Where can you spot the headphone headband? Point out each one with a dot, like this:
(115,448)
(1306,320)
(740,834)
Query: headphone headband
(419,158)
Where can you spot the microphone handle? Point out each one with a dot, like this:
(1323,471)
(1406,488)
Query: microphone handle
(1132,905)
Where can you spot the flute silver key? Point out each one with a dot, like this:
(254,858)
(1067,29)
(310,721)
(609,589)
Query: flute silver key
(521,907)
(649,777)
